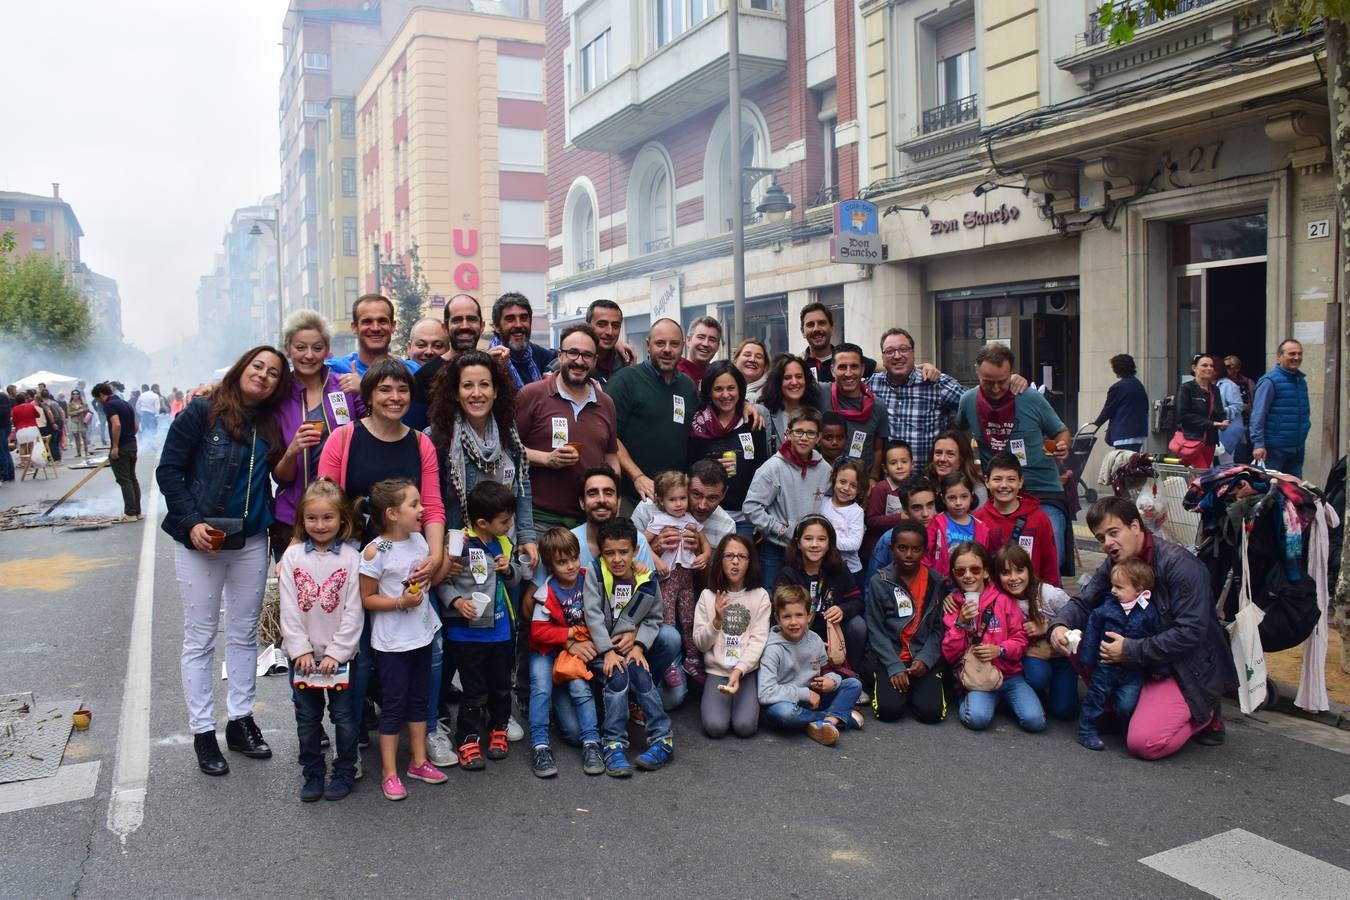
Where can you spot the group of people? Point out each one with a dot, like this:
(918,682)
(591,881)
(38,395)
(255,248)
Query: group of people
(586,539)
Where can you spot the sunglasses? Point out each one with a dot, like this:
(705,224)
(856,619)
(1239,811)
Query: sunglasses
(958,571)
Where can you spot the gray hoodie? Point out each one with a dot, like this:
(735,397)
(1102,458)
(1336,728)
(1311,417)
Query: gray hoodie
(786,667)
(779,496)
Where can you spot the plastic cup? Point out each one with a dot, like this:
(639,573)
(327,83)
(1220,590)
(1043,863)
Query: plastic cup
(81,719)
(575,447)
(454,542)
(1051,446)
(216,537)
(480,602)
(972,603)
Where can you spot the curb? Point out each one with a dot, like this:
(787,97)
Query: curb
(1336,717)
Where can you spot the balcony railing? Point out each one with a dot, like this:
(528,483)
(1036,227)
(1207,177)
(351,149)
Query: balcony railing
(585,265)
(827,194)
(662,243)
(1096,34)
(949,114)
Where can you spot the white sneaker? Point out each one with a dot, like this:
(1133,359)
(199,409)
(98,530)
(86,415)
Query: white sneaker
(513,730)
(863,699)
(439,750)
(357,775)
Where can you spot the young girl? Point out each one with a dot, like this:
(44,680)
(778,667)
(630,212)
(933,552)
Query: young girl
(403,624)
(1050,676)
(956,525)
(989,623)
(321,621)
(1129,614)
(814,562)
(884,508)
(847,484)
(731,626)
(674,569)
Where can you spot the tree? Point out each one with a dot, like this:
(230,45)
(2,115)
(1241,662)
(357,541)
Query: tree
(405,284)
(6,244)
(39,306)
(1122,17)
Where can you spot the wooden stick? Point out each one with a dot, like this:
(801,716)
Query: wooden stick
(82,483)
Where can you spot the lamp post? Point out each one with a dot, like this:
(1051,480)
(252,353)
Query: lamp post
(737,223)
(256,231)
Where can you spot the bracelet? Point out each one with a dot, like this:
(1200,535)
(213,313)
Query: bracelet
(398,602)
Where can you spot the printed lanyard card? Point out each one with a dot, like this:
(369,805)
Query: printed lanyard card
(747,445)
(731,654)
(623,595)
(338,401)
(478,564)
(559,431)
(1018,448)
(855,449)
(892,505)
(1026,542)
(679,410)
(904,604)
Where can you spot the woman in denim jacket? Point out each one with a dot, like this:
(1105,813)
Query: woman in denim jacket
(216,464)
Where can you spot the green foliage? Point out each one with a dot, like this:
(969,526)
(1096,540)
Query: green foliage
(1121,18)
(405,284)
(40,308)
(6,244)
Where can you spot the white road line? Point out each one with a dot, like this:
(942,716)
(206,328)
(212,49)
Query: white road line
(126,807)
(73,782)
(1345,799)
(1239,865)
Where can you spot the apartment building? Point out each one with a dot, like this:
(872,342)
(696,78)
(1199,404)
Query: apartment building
(238,303)
(644,184)
(1077,199)
(450,134)
(45,225)
(339,271)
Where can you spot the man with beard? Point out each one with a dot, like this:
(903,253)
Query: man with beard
(567,426)
(655,403)
(606,318)
(865,419)
(463,326)
(373,325)
(426,341)
(512,320)
(817,323)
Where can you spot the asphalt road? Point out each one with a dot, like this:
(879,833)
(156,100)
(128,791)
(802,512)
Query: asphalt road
(894,810)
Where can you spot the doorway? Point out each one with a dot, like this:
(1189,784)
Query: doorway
(1219,285)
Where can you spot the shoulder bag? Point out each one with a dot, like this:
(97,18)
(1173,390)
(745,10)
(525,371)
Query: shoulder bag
(234,528)
(978,674)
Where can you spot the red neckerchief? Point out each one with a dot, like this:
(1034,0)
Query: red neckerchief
(852,415)
(1146,552)
(996,421)
(707,425)
(796,460)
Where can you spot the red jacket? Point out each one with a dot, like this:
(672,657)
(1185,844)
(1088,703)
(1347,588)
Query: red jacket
(1037,536)
(548,626)
(875,517)
(1005,630)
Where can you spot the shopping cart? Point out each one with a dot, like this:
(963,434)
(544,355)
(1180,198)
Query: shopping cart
(1157,485)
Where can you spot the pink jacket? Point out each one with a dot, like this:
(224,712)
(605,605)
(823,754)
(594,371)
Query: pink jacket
(939,553)
(1005,630)
(333,464)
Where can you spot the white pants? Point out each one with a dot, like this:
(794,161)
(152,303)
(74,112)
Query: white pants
(240,576)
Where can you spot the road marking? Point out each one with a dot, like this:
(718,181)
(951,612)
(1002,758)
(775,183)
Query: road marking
(126,807)
(1239,865)
(1345,799)
(75,782)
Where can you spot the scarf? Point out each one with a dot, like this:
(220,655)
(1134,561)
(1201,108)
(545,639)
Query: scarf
(852,415)
(516,360)
(996,421)
(1129,607)
(918,590)
(795,460)
(487,455)
(707,425)
(754,388)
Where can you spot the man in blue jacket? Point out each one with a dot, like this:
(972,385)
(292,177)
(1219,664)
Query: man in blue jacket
(1281,417)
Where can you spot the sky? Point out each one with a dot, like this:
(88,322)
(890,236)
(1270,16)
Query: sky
(159,119)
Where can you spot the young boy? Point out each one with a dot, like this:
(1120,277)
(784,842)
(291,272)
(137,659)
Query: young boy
(918,499)
(792,690)
(480,623)
(559,623)
(833,437)
(1014,516)
(786,488)
(623,612)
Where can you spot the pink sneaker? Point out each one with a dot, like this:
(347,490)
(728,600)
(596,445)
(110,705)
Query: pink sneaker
(674,676)
(394,789)
(427,772)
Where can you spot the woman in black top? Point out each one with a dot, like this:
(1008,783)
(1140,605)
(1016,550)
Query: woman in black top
(813,562)
(719,431)
(1200,410)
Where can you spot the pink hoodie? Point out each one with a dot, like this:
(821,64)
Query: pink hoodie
(1005,630)
(939,552)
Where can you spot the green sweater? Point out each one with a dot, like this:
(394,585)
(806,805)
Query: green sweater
(1036,421)
(655,436)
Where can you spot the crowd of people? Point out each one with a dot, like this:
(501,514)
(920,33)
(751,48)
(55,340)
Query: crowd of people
(579,539)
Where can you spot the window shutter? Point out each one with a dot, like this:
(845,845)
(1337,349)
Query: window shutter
(956,38)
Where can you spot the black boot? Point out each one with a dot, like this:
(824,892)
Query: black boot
(243,736)
(209,758)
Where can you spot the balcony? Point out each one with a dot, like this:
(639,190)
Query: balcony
(944,129)
(1096,34)
(947,115)
(677,81)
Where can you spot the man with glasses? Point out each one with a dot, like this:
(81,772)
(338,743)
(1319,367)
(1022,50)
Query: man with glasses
(919,401)
(463,319)
(567,426)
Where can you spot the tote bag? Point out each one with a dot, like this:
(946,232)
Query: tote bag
(1244,632)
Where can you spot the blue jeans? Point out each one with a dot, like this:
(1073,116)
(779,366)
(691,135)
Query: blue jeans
(1055,682)
(1063,551)
(744,529)
(771,558)
(362,667)
(791,716)
(668,648)
(543,695)
(434,689)
(1120,686)
(309,728)
(977,708)
(1290,462)
(6,460)
(641,683)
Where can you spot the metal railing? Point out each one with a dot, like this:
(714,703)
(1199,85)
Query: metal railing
(658,244)
(827,194)
(1096,34)
(948,114)
(585,265)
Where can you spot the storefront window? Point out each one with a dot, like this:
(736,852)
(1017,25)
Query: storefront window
(766,319)
(1232,238)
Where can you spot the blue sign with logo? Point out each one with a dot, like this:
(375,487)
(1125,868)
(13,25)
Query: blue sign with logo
(856,237)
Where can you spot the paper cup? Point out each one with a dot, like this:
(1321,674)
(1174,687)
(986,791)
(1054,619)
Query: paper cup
(454,542)
(481,602)
(81,718)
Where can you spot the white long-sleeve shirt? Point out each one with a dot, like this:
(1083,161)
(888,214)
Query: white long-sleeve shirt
(849,528)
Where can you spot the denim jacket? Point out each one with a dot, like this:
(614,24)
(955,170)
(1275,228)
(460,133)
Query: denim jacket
(198,467)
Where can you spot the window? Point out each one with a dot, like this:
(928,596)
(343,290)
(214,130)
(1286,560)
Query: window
(956,77)
(701,9)
(349,235)
(650,202)
(830,182)
(349,176)
(351,288)
(348,121)
(671,20)
(523,221)
(39,243)
(314,109)
(520,148)
(595,62)
(37,215)
(518,75)
(580,246)
(951,97)
(317,61)
(726,179)
(6,214)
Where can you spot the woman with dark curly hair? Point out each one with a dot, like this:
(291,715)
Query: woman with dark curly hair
(786,387)
(951,452)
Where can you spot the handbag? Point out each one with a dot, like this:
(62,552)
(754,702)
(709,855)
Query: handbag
(234,528)
(1191,451)
(979,674)
(836,652)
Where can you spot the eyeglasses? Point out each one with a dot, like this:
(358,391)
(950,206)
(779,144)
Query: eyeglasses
(583,355)
(958,571)
(897,351)
(802,433)
(739,557)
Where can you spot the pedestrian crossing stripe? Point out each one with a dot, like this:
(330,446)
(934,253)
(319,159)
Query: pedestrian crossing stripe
(1239,865)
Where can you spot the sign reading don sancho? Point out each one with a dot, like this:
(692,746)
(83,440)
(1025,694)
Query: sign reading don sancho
(855,238)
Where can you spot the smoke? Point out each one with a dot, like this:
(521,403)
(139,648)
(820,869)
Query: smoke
(100,361)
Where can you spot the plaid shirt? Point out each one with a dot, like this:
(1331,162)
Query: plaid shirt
(917,410)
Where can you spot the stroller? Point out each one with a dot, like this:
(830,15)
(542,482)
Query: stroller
(1080,448)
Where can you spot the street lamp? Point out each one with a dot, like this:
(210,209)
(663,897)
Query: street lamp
(776,204)
(256,231)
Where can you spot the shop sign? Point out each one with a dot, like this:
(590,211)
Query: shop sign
(666,300)
(1003,214)
(856,238)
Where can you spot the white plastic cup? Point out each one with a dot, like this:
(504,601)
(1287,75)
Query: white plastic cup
(481,601)
(454,541)
(973,599)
